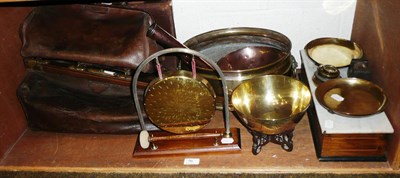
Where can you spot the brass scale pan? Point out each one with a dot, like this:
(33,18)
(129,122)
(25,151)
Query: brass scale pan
(180,102)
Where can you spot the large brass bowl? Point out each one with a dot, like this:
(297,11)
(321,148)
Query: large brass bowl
(271,104)
(242,53)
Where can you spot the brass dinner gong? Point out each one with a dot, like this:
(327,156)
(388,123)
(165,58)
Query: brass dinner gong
(181,103)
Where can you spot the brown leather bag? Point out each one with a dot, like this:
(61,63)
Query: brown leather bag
(62,103)
(89,34)
(80,59)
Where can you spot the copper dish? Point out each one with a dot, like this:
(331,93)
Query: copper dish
(271,104)
(333,51)
(351,97)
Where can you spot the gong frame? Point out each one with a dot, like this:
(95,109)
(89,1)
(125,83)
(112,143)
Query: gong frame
(227,137)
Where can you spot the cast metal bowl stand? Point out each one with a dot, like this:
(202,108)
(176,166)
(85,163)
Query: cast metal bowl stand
(229,140)
(284,139)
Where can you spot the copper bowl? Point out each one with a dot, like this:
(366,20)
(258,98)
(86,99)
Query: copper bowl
(271,104)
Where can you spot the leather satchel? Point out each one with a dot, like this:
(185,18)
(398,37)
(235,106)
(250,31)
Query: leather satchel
(61,103)
(80,60)
(103,43)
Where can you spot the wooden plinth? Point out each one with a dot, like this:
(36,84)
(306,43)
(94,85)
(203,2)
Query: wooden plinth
(346,147)
(190,146)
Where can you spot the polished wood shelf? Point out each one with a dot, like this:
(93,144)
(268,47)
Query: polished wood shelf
(95,153)
(57,153)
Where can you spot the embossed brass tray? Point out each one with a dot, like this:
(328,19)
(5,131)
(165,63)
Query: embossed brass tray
(180,103)
(351,97)
(333,51)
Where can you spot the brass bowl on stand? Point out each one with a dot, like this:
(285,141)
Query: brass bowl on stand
(270,106)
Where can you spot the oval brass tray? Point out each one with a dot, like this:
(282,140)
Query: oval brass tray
(333,51)
(351,97)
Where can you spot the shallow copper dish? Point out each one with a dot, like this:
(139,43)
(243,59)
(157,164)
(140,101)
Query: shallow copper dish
(351,97)
(333,51)
(271,104)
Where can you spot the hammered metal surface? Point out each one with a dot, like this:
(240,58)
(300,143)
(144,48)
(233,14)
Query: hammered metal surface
(180,104)
(271,104)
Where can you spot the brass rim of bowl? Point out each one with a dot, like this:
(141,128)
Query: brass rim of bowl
(281,68)
(274,76)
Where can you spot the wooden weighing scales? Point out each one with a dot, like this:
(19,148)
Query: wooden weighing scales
(339,138)
(181,103)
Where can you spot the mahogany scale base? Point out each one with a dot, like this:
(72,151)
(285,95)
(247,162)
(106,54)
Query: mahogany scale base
(189,146)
